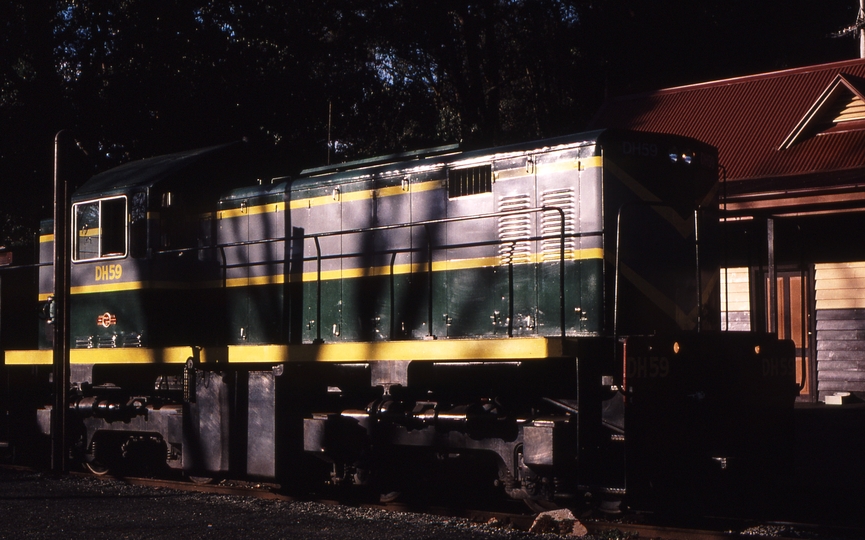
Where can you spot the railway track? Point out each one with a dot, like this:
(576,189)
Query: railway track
(634,526)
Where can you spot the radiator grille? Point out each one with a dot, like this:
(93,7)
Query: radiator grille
(515,230)
(551,223)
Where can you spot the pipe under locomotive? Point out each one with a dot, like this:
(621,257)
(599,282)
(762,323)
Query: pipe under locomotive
(547,313)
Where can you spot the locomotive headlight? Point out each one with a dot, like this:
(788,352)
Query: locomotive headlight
(676,347)
(756,349)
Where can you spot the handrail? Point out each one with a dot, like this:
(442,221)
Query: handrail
(430,248)
(426,224)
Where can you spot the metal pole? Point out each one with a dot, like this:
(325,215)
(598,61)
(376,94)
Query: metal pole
(61,306)
(772,312)
(859,19)
(699,277)
(317,292)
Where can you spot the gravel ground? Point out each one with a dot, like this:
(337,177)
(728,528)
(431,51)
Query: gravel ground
(40,506)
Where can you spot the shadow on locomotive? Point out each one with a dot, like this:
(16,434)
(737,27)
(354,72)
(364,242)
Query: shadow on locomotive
(542,318)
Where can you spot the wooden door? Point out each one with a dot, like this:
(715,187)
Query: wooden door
(794,314)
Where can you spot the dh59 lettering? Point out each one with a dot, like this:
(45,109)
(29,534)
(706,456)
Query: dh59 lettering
(108,272)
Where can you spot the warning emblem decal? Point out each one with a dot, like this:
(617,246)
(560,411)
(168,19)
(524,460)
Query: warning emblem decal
(106,319)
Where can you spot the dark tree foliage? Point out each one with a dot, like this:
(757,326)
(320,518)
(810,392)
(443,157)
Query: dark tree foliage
(306,82)
(643,45)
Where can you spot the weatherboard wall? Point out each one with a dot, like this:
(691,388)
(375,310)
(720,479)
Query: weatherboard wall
(840,295)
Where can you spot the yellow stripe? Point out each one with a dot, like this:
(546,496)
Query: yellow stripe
(389,191)
(251,210)
(108,287)
(464,264)
(168,355)
(581,164)
(366,194)
(273,279)
(26,358)
(426,350)
(526,348)
(327,275)
(45,238)
(139,285)
(590,162)
(427,186)
(400,269)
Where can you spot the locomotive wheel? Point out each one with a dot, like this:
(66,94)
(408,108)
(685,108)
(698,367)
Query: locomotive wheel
(201,480)
(96,468)
(103,455)
(390,496)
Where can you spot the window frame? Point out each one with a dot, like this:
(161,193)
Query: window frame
(101,256)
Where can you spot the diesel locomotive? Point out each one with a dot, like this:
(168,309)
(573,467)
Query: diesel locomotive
(543,317)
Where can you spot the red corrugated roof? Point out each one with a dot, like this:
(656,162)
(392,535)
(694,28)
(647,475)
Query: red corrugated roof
(748,118)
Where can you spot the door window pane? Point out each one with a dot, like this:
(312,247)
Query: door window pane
(99,229)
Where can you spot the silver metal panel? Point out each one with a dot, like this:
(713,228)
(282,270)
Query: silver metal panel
(426,205)
(358,213)
(538,445)
(261,425)
(266,258)
(393,210)
(471,246)
(591,217)
(463,236)
(515,191)
(322,218)
(206,427)
(235,230)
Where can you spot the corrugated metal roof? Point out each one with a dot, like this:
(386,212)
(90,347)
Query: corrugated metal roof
(748,119)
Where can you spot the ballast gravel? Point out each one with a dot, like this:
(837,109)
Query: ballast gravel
(41,506)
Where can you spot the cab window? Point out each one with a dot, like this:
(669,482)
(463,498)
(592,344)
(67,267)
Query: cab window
(99,229)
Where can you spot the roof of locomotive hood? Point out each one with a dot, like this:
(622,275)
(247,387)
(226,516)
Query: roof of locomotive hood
(431,158)
(436,158)
(145,172)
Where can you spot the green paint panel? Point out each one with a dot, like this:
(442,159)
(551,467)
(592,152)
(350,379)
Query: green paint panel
(161,317)
(256,314)
(584,294)
(466,303)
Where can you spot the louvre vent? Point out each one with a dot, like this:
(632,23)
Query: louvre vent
(515,230)
(84,342)
(551,223)
(132,340)
(107,342)
(852,110)
(471,181)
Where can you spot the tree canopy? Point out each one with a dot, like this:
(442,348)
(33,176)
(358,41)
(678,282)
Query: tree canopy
(308,81)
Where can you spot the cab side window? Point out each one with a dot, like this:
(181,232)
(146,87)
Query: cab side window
(99,229)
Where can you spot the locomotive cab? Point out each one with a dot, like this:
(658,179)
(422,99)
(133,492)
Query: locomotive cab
(140,270)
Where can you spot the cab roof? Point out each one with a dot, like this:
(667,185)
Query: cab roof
(145,172)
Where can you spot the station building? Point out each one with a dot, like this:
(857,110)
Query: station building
(792,155)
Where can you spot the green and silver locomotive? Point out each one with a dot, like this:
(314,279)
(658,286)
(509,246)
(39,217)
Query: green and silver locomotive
(545,315)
